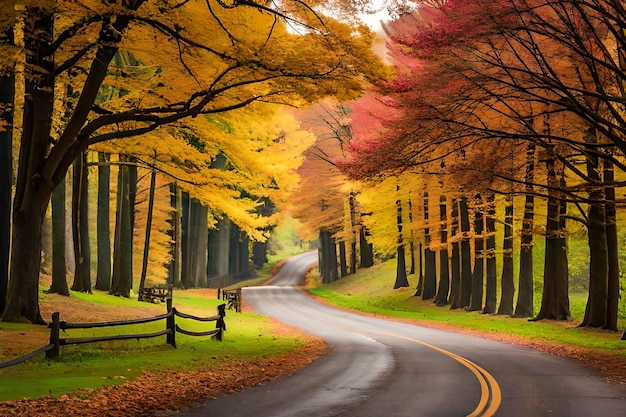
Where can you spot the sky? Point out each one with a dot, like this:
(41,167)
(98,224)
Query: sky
(373,20)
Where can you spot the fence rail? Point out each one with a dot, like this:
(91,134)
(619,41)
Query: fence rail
(52,349)
(232,298)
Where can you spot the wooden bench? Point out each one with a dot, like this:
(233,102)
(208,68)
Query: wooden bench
(158,292)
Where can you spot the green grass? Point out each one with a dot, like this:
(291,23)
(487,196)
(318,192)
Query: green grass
(371,290)
(109,363)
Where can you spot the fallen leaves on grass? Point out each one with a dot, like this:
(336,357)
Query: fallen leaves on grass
(153,393)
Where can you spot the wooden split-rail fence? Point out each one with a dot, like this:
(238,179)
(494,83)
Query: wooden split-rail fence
(232,298)
(52,349)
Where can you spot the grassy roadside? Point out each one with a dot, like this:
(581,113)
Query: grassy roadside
(89,366)
(371,291)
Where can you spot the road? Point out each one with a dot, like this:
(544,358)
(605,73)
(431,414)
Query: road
(383,368)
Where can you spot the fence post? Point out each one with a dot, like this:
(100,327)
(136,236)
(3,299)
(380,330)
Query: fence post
(221,324)
(219,291)
(54,337)
(171,323)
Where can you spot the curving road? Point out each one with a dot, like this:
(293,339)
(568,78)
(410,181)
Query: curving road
(385,368)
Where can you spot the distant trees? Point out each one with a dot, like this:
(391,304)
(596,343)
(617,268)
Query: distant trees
(224,67)
(519,98)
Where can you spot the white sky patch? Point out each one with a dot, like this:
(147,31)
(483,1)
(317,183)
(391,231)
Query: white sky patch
(373,20)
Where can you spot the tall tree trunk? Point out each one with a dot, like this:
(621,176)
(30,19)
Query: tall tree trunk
(508,287)
(420,267)
(490,254)
(132,199)
(32,193)
(353,226)
(175,267)
(596,310)
(525,298)
(259,254)
(332,259)
(219,252)
(41,167)
(146,243)
(7,95)
(555,299)
(412,238)
(366,249)
(243,269)
(353,255)
(122,277)
(328,257)
(444,274)
(103,222)
(430,260)
(59,278)
(197,244)
(455,258)
(321,255)
(613,252)
(80,225)
(234,253)
(185,280)
(466,255)
(401,278)
(479,258)
(343,263)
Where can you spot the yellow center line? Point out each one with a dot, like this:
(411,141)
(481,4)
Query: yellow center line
(490,394)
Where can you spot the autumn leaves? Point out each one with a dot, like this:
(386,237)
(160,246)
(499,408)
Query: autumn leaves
(175,86)
(510,102)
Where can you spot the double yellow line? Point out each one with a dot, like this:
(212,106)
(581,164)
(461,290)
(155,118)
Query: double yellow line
(490,394)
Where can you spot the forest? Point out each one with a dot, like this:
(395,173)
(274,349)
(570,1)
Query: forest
(491,165)
(159,142)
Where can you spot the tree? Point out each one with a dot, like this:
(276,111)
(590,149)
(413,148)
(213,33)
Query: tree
(613,289)
(596,311)
(466,256)
(490,255)
(80,225)
(103,273)
(219,246)
(122,274)
(444,275)
(525,305)
(489,71)
(30,202)
(555,296)
(506,280)
(59,270)
(401,279)
(326,202)
(195,241)
(429,286)
(268,63)
(478,274)
(7,93)
(175,271)
(146,244)
(455,258)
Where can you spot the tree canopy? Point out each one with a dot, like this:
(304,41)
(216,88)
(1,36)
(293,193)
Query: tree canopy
(195,58)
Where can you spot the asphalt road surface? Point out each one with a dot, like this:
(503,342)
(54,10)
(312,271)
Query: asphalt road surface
(382,368)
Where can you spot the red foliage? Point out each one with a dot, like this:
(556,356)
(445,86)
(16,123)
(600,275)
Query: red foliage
(427,82)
